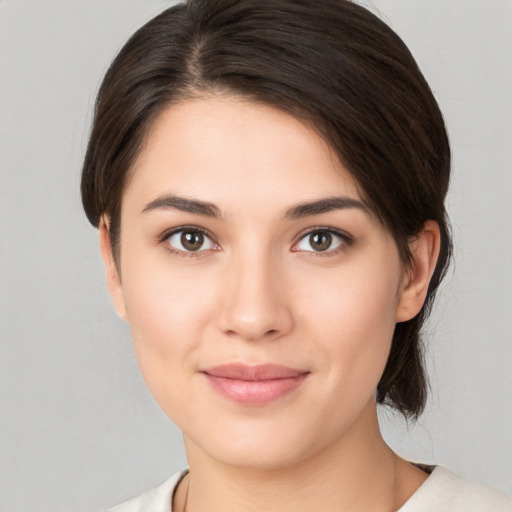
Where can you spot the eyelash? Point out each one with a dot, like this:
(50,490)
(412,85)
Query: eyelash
(346,241)
(186,254)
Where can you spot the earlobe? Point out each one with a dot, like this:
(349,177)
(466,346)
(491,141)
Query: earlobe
(115,287)
(425,252)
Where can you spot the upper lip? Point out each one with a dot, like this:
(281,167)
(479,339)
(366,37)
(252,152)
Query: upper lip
(257,372)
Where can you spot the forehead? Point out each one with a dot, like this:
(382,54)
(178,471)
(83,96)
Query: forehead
(231,151)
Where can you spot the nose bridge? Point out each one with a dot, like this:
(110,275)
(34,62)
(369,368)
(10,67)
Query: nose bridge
(255,304)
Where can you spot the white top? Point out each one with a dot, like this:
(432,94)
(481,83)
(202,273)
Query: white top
(442,491)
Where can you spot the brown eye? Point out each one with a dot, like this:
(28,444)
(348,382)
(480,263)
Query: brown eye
(190,240)
(322,240)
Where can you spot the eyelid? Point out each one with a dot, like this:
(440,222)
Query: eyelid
(347,240)
(170,232)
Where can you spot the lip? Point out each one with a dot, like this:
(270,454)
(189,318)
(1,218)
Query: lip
(254,384)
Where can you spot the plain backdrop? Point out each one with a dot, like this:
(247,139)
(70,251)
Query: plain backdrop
(79,431)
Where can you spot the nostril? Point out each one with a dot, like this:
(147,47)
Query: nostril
(254,317)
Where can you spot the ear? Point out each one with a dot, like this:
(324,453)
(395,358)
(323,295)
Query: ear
(115,287)
(425,252)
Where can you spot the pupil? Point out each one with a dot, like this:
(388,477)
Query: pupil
(320,241)
(192,241)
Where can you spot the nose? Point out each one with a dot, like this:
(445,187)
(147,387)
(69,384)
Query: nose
(254,304)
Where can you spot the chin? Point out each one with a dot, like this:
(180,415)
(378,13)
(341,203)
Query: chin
(261,445)
(258,457)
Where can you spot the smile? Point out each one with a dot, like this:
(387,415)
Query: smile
(254,385)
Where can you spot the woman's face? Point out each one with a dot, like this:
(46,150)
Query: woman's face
(244,242)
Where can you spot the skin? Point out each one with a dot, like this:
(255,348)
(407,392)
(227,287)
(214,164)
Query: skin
(260,293)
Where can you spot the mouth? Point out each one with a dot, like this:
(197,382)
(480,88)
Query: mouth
(254,385)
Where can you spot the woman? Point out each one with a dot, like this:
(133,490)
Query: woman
(268,179)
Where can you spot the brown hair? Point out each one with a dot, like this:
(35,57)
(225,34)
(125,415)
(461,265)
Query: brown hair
(331,63)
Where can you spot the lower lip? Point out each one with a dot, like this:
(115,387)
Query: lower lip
(259,392)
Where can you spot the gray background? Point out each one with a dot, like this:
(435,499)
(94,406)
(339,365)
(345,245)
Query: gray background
(79,431)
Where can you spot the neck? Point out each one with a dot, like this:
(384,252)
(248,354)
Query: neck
(357,472)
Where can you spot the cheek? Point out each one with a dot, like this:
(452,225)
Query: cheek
(167,310)
(163,304)
(352,316)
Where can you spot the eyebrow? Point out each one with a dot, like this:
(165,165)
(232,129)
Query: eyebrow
(323,206)
(171,202)
(298,211)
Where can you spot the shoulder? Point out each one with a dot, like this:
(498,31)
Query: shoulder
(154,500)
(444,491)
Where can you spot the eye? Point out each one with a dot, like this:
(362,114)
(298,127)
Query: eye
(322,240)
(190,240)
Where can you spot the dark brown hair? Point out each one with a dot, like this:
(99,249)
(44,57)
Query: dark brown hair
(329,62)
